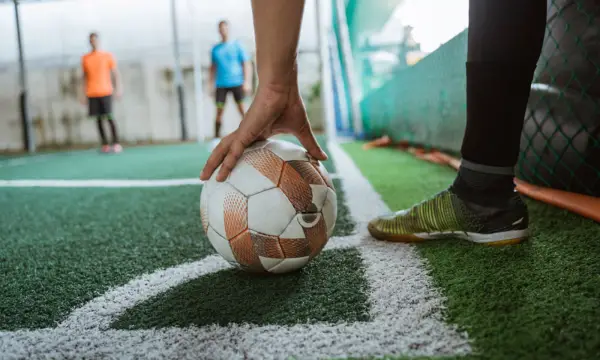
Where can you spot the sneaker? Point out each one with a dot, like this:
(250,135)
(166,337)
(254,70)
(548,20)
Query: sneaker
(105,149)
(117,148)
(448,216)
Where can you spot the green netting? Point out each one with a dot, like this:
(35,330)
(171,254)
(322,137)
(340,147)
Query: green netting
(560,147)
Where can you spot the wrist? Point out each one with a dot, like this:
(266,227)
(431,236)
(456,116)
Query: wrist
(279,76)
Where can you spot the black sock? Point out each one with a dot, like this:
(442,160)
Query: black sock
(503,48)
(484,185)
(101,131)
(113,130)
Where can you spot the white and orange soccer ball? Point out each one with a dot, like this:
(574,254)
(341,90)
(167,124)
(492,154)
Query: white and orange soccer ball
(274,213)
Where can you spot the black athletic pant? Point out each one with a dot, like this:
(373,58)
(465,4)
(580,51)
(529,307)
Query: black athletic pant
(113,130)
(505,41)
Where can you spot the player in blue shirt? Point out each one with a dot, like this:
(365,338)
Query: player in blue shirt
(230,71)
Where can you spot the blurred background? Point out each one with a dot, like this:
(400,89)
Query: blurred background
(368,68)
(140,35)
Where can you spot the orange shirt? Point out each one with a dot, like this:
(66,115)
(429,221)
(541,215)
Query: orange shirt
(97,66)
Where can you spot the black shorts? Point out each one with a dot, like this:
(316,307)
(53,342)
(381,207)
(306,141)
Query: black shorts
(221,95)
(99,106)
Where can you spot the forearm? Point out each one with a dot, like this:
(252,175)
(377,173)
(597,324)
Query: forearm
(211,76)
(277,30)
(118,83)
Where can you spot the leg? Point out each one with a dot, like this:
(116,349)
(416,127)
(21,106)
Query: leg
(505,40)
(113,130)
(107,109)
(238,95)
(218,120)
(498,84)
(95,110)
(221,96)
(103,138)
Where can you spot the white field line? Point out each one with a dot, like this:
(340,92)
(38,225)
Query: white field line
(99,183)
(405,310)
(105,183)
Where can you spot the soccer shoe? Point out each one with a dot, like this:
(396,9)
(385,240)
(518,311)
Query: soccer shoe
(448,216)
(105,149)
(117,148)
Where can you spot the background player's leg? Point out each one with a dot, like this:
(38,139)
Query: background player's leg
(505,40)
(115,137)
(240,107)
(220,97)
(103,138)
(113,130)
(238,95)
(218,120)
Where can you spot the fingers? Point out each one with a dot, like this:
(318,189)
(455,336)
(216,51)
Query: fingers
(215,159)
(235,153)
(259,118)
(308,140)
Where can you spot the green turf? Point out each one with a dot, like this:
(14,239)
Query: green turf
(329,289)
(62,247)
(537,300)
(144,162)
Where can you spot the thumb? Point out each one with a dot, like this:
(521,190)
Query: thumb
(308,140)
(250,129)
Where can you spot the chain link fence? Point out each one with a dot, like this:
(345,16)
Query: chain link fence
(560,143)
(425,103)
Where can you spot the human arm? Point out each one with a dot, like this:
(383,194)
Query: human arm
(82,93)
(277,107)
(248,77)
(212,74)
(247,68)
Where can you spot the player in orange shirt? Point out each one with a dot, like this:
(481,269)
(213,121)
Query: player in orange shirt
(98,66)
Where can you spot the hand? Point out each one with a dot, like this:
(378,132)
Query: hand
(212,91)
(275,110)
(119,93)
(247,89)
(82,100)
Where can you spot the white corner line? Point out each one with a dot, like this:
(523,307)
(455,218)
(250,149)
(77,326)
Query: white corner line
(105,183)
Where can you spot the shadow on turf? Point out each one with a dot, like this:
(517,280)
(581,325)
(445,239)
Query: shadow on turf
(331,289)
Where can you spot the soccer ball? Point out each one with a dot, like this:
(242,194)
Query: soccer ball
(274,213)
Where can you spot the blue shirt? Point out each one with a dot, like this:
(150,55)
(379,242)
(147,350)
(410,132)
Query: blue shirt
(229,58)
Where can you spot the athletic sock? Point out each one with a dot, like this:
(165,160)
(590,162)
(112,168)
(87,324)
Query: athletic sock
(484,185)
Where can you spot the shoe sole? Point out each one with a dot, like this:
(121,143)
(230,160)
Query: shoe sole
(510,237)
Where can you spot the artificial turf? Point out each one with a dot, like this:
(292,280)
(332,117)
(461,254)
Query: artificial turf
(143,162)
(330,289)
(60,248)
(537,300)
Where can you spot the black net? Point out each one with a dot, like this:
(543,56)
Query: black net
(560,144)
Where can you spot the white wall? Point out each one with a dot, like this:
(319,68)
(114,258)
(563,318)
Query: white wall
(58,28)
(148,110)
(139,33)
